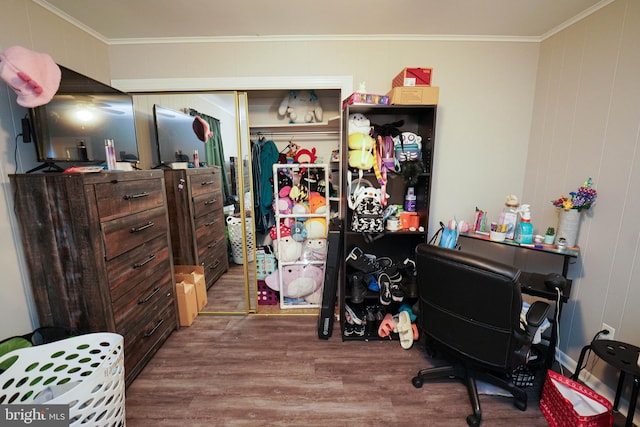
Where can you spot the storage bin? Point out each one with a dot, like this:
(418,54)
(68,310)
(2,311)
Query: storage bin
(234,226)
(85,372)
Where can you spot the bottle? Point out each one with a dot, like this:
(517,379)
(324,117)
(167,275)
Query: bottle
(82,151)
(524,230)
(196,159)
(410,200)
(110,152)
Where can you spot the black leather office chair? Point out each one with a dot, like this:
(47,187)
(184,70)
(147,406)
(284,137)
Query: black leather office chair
(470,312)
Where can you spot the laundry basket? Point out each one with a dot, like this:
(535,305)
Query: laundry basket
(234,225)
(85,372)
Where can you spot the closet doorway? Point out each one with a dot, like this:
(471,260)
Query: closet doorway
(245,301)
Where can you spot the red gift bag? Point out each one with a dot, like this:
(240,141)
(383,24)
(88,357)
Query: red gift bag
(566,403)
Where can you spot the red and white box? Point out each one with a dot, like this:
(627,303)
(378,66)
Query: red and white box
(413,77)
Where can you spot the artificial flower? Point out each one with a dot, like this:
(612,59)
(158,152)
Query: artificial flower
(579,200)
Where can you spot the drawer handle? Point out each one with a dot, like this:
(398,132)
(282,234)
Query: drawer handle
(142,227)
(217,263)
(211,223)
(208,183)
(210,202)
(155,328)
(214,244)
(148,297)
(149,259)
(135,196)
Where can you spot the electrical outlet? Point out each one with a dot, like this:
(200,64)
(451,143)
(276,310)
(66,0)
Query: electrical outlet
(610,335)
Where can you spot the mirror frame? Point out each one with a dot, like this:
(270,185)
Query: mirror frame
(237,85)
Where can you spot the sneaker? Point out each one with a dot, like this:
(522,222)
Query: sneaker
(372,283)
(359,330)
(397,292)
(349,329)
(354,315)
(361,262)
(358,288)
(385,289)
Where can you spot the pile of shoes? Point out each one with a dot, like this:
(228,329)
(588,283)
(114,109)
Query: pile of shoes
(382,275)
(401,323)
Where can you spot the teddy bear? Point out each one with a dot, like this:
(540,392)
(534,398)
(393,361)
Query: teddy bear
(301,106)
(298,281)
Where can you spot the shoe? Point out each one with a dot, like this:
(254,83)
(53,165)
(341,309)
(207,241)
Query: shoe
(370,321)
(405,331)
(359,261)
(354,315)
(397,292)
(385,289)
(359,330)
(358,288)
(348,329)
(372,283)
(408,269)
(387,325)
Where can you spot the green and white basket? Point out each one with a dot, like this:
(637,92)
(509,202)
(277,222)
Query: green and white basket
(85,372)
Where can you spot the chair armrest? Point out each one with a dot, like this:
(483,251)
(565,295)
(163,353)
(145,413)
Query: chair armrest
(537,313)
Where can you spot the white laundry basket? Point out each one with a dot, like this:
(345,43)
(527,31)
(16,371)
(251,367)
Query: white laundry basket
(85,372)
(234,225)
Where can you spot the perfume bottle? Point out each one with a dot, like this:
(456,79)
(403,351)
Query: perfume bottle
(110,152)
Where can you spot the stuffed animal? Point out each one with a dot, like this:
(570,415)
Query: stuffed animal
(317,203)
(301,106)
(314,250)
(286,249)
(358,123)
(298,231)
(316,228)
(305,155)
(298,280)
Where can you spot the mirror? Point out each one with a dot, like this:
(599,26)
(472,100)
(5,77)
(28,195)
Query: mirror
(232,292)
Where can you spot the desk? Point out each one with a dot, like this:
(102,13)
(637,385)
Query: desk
(533,283)
(624,358)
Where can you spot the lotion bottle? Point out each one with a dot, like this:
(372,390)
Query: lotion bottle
(110,152)
(196,159)
(524,230)
(410,200)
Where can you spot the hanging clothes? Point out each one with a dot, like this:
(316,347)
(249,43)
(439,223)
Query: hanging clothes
(264,154)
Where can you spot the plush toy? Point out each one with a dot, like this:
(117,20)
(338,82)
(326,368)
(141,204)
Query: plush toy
(284,206)
(358,123)
(301,106)
(361,151)
(298,280)
(298,231)
(299,193)
(286,249)
(316,228)
(301,210)
(314,250)
(284,183)
(317,203)
(306,156)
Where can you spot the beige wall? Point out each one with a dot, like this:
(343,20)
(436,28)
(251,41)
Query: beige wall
(585,122)
(514,117)
(26,24)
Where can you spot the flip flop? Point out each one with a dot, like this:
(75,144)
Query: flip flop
(387,325)
(405,331)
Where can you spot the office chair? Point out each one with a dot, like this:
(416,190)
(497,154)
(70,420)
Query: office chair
(470,312)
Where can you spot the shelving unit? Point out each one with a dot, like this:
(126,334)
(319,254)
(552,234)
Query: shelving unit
(397,245)
(300,246)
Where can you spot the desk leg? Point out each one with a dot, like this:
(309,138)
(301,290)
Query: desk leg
(565,266)
(632,402)
(616,402)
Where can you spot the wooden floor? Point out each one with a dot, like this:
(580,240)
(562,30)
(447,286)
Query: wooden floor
(274,371)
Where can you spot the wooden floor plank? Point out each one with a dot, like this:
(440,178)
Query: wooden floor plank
(274,371)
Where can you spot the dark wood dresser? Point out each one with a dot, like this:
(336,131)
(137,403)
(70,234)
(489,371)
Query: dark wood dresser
(97,249)
(195,204)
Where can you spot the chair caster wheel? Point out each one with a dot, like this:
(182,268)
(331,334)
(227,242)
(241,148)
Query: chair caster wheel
(520,404)
(417,382)
(473,420)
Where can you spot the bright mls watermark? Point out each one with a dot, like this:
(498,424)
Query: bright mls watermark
(34,415)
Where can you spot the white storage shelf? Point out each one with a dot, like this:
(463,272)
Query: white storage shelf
(301,256)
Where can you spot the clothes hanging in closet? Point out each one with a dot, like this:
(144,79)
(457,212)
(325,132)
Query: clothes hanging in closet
(264,153)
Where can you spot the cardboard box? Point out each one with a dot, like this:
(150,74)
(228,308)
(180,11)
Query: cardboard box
(187,305)
(413,77)
(196,273)
(365,98)
(417,95)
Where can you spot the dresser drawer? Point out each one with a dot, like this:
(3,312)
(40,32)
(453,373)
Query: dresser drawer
(215,261)
(150,296)
(123,234)
(151,259)
(125,197)
(210,228)
(207,203)
(142,342)
(205,183)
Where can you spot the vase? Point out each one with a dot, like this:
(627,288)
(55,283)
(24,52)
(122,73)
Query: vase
(568,226)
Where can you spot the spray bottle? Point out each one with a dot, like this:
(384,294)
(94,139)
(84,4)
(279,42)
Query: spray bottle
(524,229)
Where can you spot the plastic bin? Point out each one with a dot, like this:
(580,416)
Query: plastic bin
(85,372)
(234,225)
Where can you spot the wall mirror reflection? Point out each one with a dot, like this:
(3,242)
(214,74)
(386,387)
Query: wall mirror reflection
(239,121)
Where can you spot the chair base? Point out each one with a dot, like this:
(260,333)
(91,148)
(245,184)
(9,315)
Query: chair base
(469,378)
